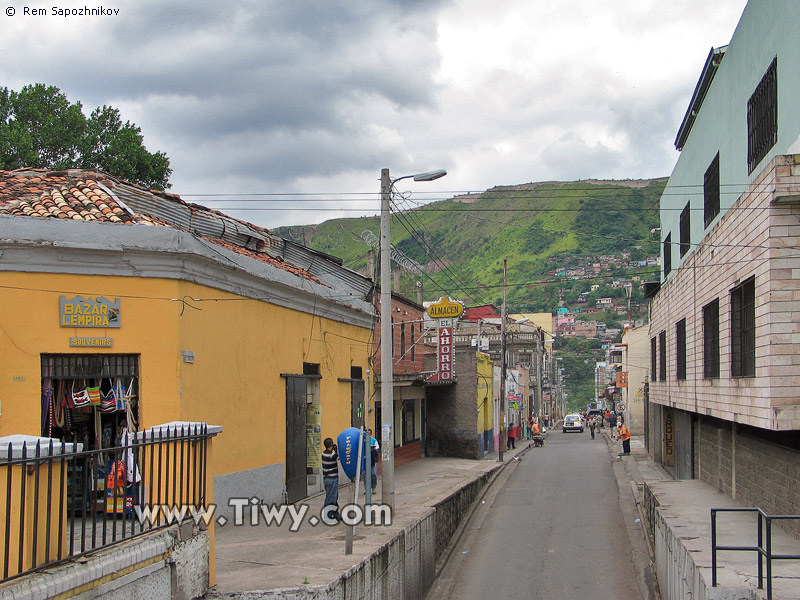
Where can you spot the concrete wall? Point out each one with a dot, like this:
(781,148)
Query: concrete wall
(403,568)
(681,563)
(171,563)
(755,471)
(679,575)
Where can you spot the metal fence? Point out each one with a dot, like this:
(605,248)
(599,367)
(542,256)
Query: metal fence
(60,505)
(763,546)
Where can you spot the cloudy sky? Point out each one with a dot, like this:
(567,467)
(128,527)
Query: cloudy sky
(296,98)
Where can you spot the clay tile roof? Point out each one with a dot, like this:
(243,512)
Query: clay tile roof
(265,258)
(58,195)
(81,195)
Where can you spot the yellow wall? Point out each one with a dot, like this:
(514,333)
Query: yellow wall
(484,396)
(241,346)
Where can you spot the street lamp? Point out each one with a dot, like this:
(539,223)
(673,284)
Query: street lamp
(387,375)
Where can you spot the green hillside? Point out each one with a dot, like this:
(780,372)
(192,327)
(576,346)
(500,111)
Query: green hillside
(539,228)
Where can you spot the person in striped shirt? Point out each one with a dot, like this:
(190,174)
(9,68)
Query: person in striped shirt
(330,477)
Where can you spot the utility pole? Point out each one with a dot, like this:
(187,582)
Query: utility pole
(503,367)
(387,375)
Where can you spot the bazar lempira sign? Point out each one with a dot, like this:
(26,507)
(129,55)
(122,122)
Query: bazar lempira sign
(88,312)
(446,311)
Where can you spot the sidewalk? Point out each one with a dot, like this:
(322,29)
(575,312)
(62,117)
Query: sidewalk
(261,557)
(683,509)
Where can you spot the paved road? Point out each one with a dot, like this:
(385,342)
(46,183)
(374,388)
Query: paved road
(549,528)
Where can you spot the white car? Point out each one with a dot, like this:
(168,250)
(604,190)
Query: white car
(572,422)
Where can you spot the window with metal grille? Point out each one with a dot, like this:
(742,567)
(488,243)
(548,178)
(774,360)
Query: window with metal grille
(686,231)
(667,254)
(711,191)
(89,366)
(402,339)
(762,117)
(743,329)
(711,340)
(662,356)
(653,351)
(680,349)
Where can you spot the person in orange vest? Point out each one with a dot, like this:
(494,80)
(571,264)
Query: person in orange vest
(625,436)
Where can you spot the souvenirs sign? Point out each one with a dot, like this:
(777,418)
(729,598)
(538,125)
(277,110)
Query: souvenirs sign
(89,312)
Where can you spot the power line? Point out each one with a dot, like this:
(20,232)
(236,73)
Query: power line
(428,247)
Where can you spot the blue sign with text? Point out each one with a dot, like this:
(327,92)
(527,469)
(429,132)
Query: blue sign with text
(347,443)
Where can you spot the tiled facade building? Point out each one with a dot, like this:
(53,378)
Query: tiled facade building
(724,338)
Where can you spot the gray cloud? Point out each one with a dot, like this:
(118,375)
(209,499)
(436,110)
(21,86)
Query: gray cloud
(319,95)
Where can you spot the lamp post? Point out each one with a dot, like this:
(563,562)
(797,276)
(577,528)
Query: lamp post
(387,375)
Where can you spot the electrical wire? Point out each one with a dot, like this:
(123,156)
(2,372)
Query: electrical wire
(430,250)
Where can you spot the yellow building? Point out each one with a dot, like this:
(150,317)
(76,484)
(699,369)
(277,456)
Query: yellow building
(485,425)
(176,313)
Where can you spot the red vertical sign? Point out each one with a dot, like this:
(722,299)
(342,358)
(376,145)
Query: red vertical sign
(445,354)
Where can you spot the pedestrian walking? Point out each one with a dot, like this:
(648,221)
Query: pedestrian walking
(511,436)
(592,425)
(375,457)
(625,436)
(330,479)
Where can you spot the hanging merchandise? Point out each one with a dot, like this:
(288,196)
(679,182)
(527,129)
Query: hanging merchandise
(108,401)
(118,390)
(116,475)
(47,408)
(98,432)
(131,468)
(129,397)
(80,397)
(62,401)
(94,395)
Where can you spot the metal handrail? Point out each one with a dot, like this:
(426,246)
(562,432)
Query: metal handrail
(169,469)
(763,552)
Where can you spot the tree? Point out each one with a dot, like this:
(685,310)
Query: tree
(40,128)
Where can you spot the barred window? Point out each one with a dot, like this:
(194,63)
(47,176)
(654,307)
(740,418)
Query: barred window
(653,349)
(743,329)
(667,255)
(711,340)
(680,349)
(762,117)
(686,232)
(711,192)
(662,356)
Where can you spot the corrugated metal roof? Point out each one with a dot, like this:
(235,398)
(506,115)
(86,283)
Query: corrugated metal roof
(200,220)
